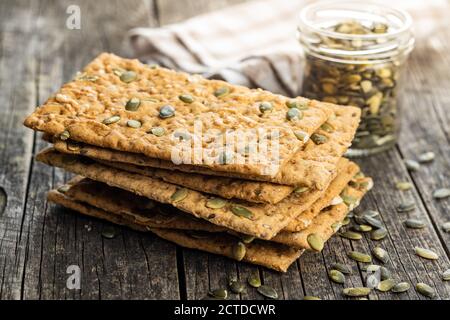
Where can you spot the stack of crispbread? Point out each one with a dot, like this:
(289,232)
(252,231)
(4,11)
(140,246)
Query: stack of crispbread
(116,125)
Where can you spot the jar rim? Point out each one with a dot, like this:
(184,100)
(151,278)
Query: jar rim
(317,6)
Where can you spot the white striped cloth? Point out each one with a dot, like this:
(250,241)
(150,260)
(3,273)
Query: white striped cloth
(252,44)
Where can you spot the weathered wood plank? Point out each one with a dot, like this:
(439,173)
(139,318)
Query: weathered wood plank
(130,266)
(17,98)
(171,11)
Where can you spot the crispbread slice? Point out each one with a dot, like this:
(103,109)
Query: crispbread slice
(259,220)
(82,105)
(268,254)
(151,214)
(141,210)
(326,223)
(228,188)
(336,186)
(313,166)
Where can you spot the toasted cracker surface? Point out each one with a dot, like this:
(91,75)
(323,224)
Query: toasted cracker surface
(312,166)
(260,220)
(84,106)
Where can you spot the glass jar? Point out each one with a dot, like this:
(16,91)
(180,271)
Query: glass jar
(354,54)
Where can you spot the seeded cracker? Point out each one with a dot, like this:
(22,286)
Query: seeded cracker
(259,220)
(95,108)
(313,166)
(270,255)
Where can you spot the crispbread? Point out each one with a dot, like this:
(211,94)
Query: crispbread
(229,188)
(81,106)
(312,166)
(143,211)
(305,218)
(322,224)
(268,254)
(266,220)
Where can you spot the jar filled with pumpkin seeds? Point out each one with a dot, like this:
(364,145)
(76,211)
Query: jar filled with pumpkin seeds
(354,55)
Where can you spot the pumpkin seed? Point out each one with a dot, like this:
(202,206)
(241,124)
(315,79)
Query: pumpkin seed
(265,106)
(446,226)
(406,206)
(386,285)
(327,127)
(239,251)
(346,221)
(371,268)
(378,234)
(166,111)
(425,290)
(370,213)
(336,200)
(426,157)
(426,253)
(336,276)
(315,242)
(403,185)
(412,165)
(179,195)
(415,223)
(380,254)
(311,298)
(134,124)
(345,269)
(336,226)
(222,92)
(441,193)
(359,256)
(132,104)
(267,292)
(111,120)
(301,189)
(219,293)
(254,280)
(366,86)
(128,76)
(362,228)
(446,275)
(108,232)
(157,131)
(236,287)
(64,135)
(242,212)
(186,98)
(64,188)
(385,273)
(318,138)
(118,71)
(88,77)
(296,104)
(356,292)
(301,135)
(247,238)
(373,222)
(294,113)
(401,287)
(216,203)
(351,235)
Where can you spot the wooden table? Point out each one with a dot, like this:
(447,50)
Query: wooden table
(38,240)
